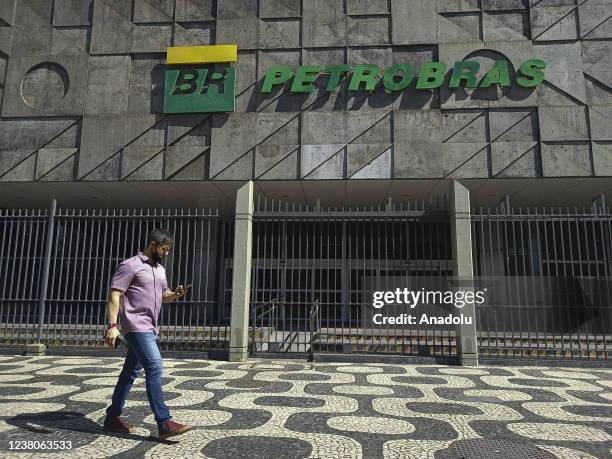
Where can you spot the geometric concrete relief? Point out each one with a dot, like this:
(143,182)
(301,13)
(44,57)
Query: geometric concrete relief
(6,32)
(602,158)
(595,19)
(82,88)
(21,144)
(566,160)
(45,85)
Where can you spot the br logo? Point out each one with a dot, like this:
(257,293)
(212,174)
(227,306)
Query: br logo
(200,79)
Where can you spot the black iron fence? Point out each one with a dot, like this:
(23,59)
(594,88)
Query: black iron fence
(314,271)
(548,273)
(76,259)
(23,236)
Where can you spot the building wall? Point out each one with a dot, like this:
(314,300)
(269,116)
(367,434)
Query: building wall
(82,93)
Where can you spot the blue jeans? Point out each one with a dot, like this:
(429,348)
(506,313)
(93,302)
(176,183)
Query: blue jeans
(142,353)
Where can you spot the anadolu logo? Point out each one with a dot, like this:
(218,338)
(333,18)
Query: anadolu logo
(200,79)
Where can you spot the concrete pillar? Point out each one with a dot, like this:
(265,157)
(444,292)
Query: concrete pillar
(241,280)
(461,229)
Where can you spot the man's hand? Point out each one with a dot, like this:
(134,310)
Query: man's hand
(111,335)
(180,291)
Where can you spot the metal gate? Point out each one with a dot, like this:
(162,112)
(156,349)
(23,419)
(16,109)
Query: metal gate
(549,278)
(314,271)
(78,257)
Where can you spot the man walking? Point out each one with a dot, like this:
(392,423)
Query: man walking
(137,291)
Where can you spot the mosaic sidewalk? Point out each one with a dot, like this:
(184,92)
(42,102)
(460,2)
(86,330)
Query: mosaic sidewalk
(294,409)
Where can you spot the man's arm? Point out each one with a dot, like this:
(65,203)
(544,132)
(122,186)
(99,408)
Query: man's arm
(114,303)
(169,296)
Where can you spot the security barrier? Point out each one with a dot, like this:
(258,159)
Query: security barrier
(57,266)
(548,273)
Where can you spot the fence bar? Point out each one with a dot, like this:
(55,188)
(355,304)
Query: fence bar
(39,347)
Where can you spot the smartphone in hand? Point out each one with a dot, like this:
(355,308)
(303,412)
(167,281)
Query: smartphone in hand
(186,289)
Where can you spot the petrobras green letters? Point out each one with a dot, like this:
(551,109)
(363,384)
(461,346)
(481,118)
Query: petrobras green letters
(399,76)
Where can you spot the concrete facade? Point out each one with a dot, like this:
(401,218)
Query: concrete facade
(81,87)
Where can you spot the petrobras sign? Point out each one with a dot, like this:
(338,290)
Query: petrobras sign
(399,76)
(201,79)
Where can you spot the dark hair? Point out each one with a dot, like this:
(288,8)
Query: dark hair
(159,236)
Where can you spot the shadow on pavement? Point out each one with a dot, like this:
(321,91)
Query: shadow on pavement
(51,421)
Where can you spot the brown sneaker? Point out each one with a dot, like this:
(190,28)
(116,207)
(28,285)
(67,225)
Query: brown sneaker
(117,425)
(171,428)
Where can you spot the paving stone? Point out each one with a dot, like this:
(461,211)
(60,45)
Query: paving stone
(503,449)
(256,412)
(260,446)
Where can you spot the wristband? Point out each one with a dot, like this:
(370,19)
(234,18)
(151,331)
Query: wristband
(112,325)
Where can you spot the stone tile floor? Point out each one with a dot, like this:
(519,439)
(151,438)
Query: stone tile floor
(294,409)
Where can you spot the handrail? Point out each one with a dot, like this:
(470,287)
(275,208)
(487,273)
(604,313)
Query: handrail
(254,307)
(314,312)
(273,304)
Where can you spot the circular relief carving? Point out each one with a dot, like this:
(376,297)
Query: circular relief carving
(45,85)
